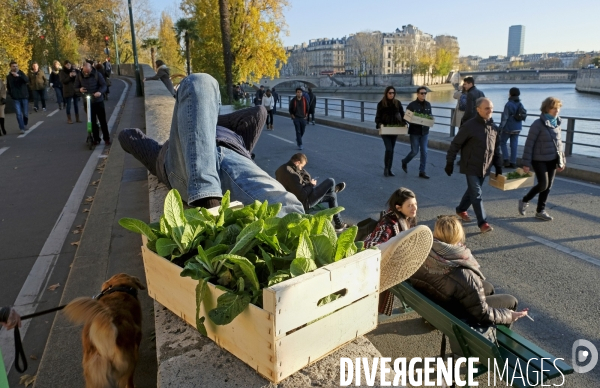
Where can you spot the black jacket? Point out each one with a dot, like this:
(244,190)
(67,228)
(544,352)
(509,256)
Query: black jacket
(17,86)
(55,79)
(68,82)
(479,144)
(93,83)
(419,107)
(292,106)
(470,111)
(295,181)
(387,115)
(313,103)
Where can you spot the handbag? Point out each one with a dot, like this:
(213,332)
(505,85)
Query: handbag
(108,82)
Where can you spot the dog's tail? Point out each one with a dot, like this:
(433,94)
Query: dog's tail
(103,333)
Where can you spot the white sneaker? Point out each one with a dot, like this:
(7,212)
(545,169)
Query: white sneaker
(403,255)
(44,109)
(22,131)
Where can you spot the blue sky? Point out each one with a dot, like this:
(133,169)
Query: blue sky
(480,26)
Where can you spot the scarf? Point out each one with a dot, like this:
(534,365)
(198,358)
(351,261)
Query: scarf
(445,257)
(551,119)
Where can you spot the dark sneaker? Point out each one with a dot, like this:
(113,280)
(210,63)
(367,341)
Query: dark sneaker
(405,167)
(486,228)
(299,147)
(107,142)
(513,165)
(35,109)
(543,216)
(341,227)
(340,187)
(506,163)
(523,207)
(423,175)
(464,216)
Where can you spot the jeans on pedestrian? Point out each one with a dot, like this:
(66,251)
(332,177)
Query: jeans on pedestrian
(473,196)
(324,192)
(416,142)
(544,173)
(198,169)
(22,112)
(99,114)
(37,96)
(59,95)
(75,101)
(514,144)
(389,142)
(300,125)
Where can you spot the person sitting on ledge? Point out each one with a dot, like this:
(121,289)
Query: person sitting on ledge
(298,181)
(207,153)
(452,278)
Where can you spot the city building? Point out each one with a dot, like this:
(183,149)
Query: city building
(516,41)
(326,56)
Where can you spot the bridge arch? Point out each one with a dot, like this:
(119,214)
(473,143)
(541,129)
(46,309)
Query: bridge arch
(271,83)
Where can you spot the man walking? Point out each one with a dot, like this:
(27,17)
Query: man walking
(93,84)
(37,82)
(472,95)
(479,143)
(298,109)
(298,181)
(16,85)
(312,105)
(259,96)
(276,99)
(418,133)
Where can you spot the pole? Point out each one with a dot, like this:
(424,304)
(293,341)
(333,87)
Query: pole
(138,80)
(116,48)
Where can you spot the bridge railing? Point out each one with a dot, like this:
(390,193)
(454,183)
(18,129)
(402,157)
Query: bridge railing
(586,129)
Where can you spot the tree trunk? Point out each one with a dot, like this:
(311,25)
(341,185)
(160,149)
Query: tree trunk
(152,58)
(226,38)
(187,53)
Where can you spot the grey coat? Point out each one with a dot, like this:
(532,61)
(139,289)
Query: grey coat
(541,142)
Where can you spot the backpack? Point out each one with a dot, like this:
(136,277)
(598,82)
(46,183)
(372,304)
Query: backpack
(521,113)
(462,102)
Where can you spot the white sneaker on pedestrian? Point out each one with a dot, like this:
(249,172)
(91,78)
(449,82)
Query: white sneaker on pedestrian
(44,109)
(403,255)
(22,131)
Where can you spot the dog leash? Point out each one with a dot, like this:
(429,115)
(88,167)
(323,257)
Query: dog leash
(19,351)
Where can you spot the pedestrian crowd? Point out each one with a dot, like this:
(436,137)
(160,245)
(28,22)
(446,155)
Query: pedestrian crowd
(69,83)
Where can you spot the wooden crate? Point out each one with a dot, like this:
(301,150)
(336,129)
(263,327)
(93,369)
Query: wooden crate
(383,130)
(500,182)
(411,118)
(290,331)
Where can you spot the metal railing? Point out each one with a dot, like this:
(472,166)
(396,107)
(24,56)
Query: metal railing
(360,109)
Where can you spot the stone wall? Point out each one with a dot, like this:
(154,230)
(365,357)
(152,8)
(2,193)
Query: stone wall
(588,81)
(522,77)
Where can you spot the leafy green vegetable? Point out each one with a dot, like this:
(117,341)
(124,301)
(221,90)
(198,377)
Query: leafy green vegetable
(516,175)
(242,251)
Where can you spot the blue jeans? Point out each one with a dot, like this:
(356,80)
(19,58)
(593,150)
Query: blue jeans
(59,95)
(473,197)
(416,142)
(22,111)
(514,144)
(75,100)
(300,125)
(197,168)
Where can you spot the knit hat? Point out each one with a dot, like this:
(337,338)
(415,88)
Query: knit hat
(135,142)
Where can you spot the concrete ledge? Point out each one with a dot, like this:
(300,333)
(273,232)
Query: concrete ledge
(581,167)
(185,359)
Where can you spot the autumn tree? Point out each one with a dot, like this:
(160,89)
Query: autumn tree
(151,44)
(405,53)
(169,51)
(366,52)
(256,48)
(14,45)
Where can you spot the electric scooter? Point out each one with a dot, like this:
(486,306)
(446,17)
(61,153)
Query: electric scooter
(90,137)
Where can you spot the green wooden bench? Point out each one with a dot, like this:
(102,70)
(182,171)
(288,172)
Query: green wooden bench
(512,349)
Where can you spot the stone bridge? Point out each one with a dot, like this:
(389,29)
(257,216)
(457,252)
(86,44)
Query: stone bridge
(311,82)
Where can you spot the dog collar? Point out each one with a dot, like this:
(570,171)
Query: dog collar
(128,290)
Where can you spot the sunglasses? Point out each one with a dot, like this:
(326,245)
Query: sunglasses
(423,93)
(391,93)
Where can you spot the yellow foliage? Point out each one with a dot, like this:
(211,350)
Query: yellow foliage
(14,45)
(257,51)
(169,47)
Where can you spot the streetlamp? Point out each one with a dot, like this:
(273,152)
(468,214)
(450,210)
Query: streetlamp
(116,44)
(138,80)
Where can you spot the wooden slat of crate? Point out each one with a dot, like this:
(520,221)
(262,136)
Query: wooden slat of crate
(411,118)
(325,336)
(294,302)
(500,181)
(249,337)
(383,130)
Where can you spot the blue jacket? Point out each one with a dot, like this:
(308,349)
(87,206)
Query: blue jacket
(508,122)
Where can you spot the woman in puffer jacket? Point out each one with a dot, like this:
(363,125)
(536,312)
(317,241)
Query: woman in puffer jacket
(541,153)
(452,278)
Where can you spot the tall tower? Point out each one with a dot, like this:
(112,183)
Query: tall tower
(516,41)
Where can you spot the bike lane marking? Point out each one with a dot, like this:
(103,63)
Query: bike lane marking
(27,132)
(37,280)
(53,113)
(3,149)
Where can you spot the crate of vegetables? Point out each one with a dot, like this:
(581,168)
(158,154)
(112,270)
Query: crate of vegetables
(393,130)
(513,180)
(419,118)
(278,293)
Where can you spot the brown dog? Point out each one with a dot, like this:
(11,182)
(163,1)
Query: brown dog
(112,333)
